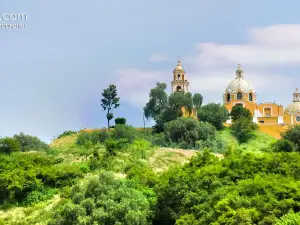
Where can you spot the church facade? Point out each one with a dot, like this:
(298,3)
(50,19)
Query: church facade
(240,92)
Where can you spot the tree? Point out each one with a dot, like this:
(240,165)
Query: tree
(158,99)
(243,128)
(28,142)
(110,101)
(188,131)
(293,135)
(197,100)
(239,111)
(120,121)
(9,145)
(213,113)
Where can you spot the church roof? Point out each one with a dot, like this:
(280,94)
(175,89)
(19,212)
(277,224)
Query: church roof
(239,84)
(294,108)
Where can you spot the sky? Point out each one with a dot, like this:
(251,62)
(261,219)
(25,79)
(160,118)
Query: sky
(52,72)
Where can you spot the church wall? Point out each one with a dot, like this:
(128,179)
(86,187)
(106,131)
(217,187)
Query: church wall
(276,110)
(273,119)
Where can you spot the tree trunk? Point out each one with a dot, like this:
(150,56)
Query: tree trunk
(108,127)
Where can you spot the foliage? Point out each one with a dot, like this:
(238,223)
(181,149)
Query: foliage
(293,135)
(9,145)
(239,112)
(67,133)
(239,189)
(110,101)
(120,120)
(30,143)
(213,113)
(290,218)
(188,131)
(106,200)
(243,128)
(158,100)
(242,124)
(284,145)
(197,100)
(124,132)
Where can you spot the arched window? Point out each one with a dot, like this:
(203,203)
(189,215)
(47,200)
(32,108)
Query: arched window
(179,77)
(239,96)
(298,119)
(228,98)
(250,97)
(268,112)
(178,88)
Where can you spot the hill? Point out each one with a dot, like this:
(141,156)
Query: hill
(136,162)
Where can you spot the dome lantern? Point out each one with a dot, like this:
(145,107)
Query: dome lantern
(297,96)
(239,72)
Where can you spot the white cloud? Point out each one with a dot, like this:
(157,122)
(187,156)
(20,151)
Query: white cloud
(212,66)
(160,57)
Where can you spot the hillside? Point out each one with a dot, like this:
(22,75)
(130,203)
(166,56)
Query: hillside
(138,163)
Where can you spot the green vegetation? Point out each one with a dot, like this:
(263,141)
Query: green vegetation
(228,176)
(215,114)
(110,101)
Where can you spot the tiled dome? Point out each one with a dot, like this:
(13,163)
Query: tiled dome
(239,84)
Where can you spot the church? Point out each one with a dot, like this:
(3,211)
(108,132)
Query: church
(268,115)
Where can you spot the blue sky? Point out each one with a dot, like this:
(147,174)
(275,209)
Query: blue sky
(53,72)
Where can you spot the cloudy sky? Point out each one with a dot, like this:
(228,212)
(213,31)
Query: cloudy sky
(53,72)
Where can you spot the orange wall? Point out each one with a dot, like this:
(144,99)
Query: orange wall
(275,109)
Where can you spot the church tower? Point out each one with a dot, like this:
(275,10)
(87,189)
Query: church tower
(179,83)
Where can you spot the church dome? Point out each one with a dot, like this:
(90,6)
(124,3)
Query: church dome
(294,108)
(239,84)
(179,67)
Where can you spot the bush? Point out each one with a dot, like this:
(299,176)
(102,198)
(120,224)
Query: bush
(106,200)
(9,145)
(293,135)
(112,146)
(120,120)
(213,113)
(124,132)
(284,146)
(28,143)
(186,131)
(243,129)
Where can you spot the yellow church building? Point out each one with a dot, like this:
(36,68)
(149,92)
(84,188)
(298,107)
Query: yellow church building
(271,117)
(241,92)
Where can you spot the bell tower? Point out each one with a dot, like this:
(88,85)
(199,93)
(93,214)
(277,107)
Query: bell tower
(179,83)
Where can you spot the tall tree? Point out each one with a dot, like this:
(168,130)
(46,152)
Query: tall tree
(158,100)
(197,100)
(110,101)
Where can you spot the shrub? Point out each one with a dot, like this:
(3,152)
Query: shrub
(124,132)
(186,131)
(243,129)
(120,120)
(9,145)
(112,146)
(283,145)
(108,201)
(293,135)
(213,113)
